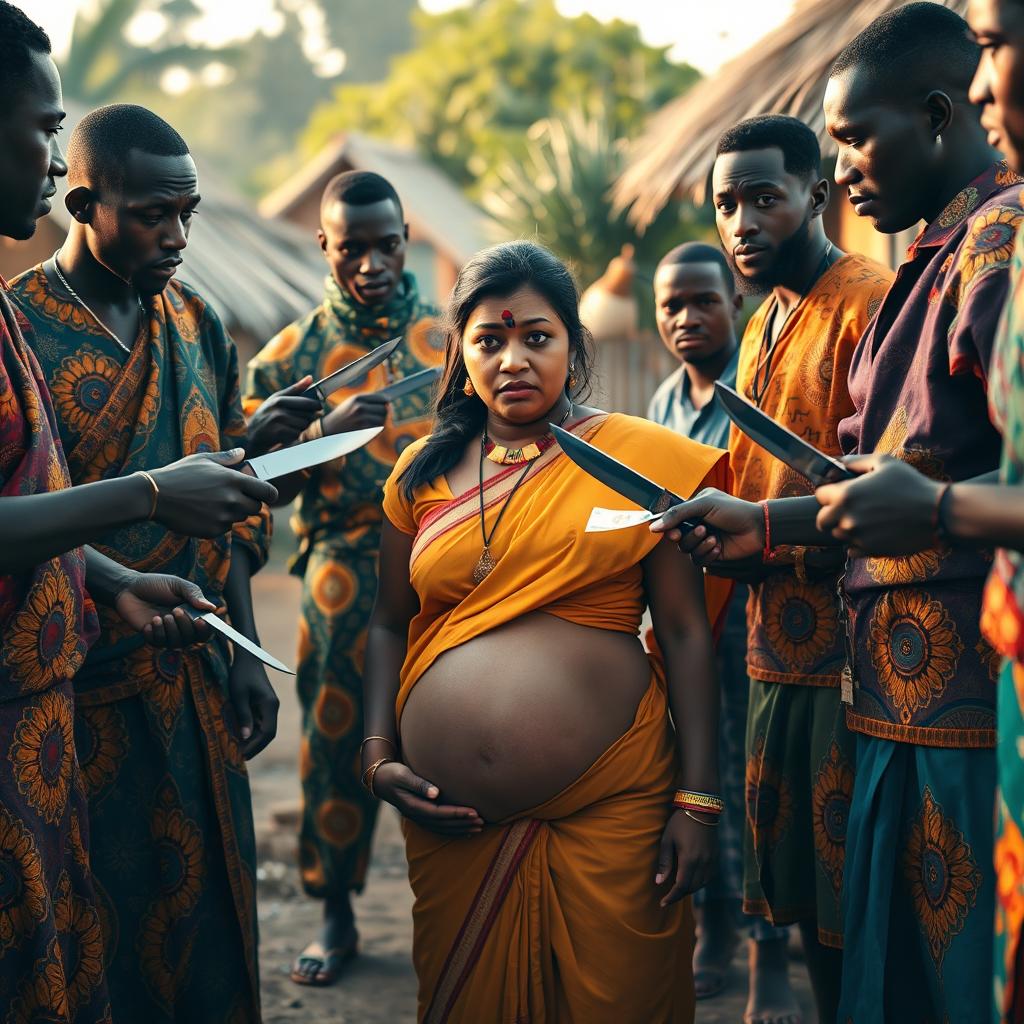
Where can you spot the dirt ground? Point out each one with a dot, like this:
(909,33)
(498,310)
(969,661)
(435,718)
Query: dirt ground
(379,987)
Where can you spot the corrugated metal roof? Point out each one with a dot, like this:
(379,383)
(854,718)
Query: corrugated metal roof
(432,202)
(784,73)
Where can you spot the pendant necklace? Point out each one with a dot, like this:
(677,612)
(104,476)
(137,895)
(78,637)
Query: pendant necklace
(486,563)
(78,298)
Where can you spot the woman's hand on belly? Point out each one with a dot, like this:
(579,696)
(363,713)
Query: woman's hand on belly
(692,849)
(416,799)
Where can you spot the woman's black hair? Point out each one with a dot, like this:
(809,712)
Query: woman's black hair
(499,270)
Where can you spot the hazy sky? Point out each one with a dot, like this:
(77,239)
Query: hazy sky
(705,34)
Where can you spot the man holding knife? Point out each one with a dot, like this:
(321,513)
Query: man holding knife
(370,300)
(918,886)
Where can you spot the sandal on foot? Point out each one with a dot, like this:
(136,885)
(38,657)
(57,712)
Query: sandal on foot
(331,962)
(709,982)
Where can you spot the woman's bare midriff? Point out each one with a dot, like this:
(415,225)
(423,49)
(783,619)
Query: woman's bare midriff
(509,719)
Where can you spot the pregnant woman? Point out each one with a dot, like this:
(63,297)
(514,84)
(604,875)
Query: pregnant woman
(512,715)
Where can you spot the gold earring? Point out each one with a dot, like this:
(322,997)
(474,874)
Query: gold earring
(467,389)
(572,377)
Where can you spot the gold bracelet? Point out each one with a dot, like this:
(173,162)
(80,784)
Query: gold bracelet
(799,564)
(383,739)
(701,821)
(372,771)
(707,803)
(156,492)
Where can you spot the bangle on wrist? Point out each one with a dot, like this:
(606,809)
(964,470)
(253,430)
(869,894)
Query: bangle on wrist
(713,823)
(766,554)
(939,524)
(383,739)
(695,800)
(154,488)
(370,772)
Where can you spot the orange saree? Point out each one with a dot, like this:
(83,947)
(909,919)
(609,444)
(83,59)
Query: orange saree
(553,916)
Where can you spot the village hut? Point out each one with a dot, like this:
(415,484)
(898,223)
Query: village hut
(445,228)
(258,274)
(785,73)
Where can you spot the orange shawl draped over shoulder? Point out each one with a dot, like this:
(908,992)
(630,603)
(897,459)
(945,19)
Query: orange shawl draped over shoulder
(545,559)
(553,917)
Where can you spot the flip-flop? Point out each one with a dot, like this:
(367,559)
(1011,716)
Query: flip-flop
(332,961)
(709,982)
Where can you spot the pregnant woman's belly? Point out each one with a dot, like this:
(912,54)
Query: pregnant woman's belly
(509,719)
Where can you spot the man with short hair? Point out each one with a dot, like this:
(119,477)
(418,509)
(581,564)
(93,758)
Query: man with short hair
(919,886)
(51,962)
(369,298)
(769,197)
(141,370)
(695,307)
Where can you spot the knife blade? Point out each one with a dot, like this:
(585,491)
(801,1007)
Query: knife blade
(309,453)
(780,441)
(407,385)
(236,638)
(352,372)
(618,476)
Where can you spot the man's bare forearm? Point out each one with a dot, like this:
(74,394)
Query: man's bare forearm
(37,527)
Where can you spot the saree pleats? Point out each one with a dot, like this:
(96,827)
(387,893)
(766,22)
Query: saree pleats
(553,918)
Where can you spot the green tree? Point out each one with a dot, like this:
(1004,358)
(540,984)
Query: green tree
(102,65)
(481,75)
(558,194)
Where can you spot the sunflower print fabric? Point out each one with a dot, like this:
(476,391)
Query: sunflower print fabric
(919,381)
(46,626)
(167,787)
(799,786)
(794,632)
(918,885)
(338,519)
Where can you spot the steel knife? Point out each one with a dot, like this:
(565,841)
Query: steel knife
(407,385)
(236,638)
(781,442)
(309,453)
(352,372)
(619,477)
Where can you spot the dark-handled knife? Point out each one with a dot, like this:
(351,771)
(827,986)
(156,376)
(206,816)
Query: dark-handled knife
(619,477)
(236,638)
(352,372)
(781,442)
(407,385)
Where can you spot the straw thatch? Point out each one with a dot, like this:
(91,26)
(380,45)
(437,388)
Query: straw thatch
(783,73)
(258,274)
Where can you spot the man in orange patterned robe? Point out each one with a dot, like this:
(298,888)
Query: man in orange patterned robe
(793,362)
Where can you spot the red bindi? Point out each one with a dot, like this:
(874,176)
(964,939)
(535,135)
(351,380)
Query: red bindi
(507,318)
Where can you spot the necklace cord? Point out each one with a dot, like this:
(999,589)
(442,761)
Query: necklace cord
(515,487)
(766,350)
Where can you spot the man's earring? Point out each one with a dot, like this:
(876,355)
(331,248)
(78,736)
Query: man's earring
(467,389)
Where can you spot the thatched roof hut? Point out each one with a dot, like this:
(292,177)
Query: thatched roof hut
(445,228)
(784,73)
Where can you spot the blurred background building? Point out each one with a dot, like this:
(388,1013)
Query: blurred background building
(588,125)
